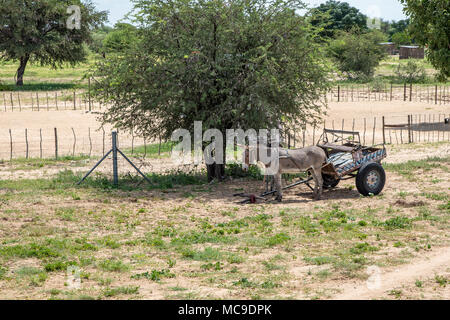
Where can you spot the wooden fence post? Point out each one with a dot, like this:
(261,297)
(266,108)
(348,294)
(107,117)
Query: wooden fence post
(56,144)
(20,104)
(409,129)
(40,143)
(103,130)
(384,136)
(74,142)
(374,128)
(74,100)
(404,92)
(90,142)
(410,91)
(339,93)
(12,103)
(26,143)
(11,145)
(89,83)
(435,94)
(37,101)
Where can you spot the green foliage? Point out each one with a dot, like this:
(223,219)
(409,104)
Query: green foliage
(111,292)
(397,27)
(228,64)
(335,16)
(98,36)
(36,31)
(113,265)
(154,275)
(396,223)
(402,38)
(412,72)
(358,54)
(122,38)
(430,27)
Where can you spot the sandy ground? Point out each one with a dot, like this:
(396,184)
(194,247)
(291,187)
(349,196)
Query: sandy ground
(424,267)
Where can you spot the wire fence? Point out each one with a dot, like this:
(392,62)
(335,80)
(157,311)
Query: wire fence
(437,94)
(92,142)
(49,101)
(83,100)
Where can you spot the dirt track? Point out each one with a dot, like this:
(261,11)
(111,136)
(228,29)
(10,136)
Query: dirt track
(425,267)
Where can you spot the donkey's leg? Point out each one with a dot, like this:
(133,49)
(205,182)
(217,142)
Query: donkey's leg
(316,183)
(317,174)
(278,186)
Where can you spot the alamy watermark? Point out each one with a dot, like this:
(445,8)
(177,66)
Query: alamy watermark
(262,146)
(373,17)
(73,277)
(74,20)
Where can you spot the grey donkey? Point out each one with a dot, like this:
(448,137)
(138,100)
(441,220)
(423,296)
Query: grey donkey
(310,159)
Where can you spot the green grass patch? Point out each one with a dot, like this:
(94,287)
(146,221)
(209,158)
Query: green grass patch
(154,275)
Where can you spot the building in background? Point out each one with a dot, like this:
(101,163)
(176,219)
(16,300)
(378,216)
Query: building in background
(390,48)
(414,52)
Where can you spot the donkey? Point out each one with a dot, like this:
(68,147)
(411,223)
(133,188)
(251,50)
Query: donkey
(309,159)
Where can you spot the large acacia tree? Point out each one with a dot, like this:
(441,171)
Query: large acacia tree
(334,16)
(231,64)
(37,31)
(430,26)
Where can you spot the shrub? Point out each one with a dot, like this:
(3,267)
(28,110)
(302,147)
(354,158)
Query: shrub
(357,55)
(411,72)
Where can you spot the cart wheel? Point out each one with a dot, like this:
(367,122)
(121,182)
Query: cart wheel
(329,181)
(370,179)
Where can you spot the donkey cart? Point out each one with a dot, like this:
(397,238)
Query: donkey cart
(347,158)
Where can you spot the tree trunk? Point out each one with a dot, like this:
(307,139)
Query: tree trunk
(216,171)
(21,70)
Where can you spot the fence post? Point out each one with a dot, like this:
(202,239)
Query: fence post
(74,100)
(37,101)
(89,83)
(374,128)
(26,143)
(114,150)
(40,143)
(11,145)
(364,133)
(12,103)
(103,130)
(391,91)
(20,104)
(56,100)
(404,92)
(339,93)
(384,136)
(46,95)
(90,142)
(410,91)
(435,94)
(409,129)
(74,142)
(56,144)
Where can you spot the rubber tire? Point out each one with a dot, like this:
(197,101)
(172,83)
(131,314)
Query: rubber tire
(329,181)
(361,179)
